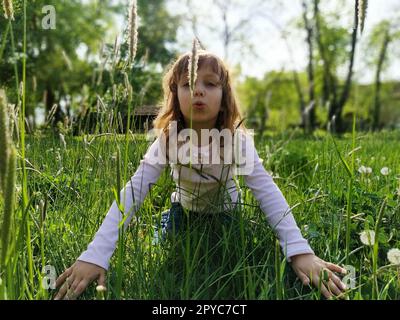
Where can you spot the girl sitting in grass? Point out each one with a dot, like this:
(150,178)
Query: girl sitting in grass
(199,99)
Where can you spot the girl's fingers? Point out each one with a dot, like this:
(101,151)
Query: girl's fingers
(303,278)
(102,279)
(335,268)
(333,288)
(61,293)
(338,282)
(60,280)
(319,284)
(68,281)
(74,285)
(81,287)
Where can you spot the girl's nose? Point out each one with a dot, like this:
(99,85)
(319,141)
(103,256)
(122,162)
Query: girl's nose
(198,90)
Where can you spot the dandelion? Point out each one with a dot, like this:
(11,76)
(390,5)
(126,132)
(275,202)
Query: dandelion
(369,170)
(393,256)
(101,288)
(100,292)
(133,34)
(385,171)
(362,170)
(367,237)
(193,61)
(8,9)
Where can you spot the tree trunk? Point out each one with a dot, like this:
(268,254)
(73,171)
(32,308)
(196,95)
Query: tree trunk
(309,116)
(329,83)
(377,105)
(346,90)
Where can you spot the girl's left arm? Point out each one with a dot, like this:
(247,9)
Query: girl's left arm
(308,267)
(273,203)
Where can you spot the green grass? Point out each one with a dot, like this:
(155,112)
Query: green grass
(74,186)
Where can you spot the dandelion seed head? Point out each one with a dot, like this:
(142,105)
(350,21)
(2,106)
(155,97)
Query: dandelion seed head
(393,256)
(367,237)
(101,288)
(362,170)
(385,171)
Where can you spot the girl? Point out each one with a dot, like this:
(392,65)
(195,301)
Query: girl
(208,103)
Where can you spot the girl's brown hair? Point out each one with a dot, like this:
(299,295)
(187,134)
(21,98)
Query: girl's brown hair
(229,116)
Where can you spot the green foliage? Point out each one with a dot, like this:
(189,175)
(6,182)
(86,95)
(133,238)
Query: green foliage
(273,97)
(78,184)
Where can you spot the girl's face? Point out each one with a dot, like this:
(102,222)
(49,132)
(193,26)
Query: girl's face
(207,96)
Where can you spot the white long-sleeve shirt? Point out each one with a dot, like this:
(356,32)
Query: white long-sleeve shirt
(199,188)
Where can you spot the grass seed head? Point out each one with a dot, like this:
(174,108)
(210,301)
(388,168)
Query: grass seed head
(8,9)
(133,34)
(192,66)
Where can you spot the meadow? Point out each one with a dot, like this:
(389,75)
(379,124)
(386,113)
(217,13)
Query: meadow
(72,185)
(344,190)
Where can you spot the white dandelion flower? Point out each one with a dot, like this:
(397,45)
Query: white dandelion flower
(385,171)
(367,237)
(101,288)
(362,170)
(368,170)
(393,256)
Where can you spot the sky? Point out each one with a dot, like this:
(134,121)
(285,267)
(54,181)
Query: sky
(263,33)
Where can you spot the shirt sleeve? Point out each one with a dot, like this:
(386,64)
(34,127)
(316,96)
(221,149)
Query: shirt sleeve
(273,203)
(100,250)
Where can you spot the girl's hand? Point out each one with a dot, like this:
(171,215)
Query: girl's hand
(76,278)
(310,268)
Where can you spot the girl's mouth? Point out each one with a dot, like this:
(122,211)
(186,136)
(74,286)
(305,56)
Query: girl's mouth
(199,105)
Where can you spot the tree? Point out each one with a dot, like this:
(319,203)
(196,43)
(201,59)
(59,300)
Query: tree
(336,100)
(54,68)
(382,37)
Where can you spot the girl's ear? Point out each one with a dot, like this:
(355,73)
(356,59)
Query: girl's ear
(173,87)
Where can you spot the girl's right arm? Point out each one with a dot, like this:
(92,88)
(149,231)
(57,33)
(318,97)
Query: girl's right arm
(93,263)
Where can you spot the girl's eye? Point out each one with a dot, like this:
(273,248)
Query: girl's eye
(210,84)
